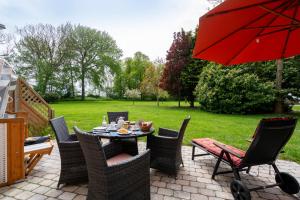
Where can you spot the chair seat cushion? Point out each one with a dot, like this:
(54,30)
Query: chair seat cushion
(207,144)
(118,159)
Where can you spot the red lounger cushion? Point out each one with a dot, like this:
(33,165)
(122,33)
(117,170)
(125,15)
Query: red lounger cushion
(118,159)
(208,145)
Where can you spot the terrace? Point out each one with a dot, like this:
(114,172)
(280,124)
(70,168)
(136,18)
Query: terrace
(193,181)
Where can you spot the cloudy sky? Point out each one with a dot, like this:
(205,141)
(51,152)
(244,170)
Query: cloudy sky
(136,25)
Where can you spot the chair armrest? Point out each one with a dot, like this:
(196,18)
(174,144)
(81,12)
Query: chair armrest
(161,144)
(224,148)
(71,146)
(161,140)
(112,148)
(73,137)
(167,132)
(71,152)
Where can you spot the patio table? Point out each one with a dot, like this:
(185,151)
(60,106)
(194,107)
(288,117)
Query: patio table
(114,134)
(132,145)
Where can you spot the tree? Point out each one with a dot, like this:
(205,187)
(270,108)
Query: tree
(190,73)
(266,71)
(178,56)
(41,51)
(135,69)
(233,90)
(94,50)
(132,94)
(151,80)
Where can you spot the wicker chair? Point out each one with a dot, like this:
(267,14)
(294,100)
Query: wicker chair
(166,149)
(113,174)
(131,143)
(114,116)
(73,167)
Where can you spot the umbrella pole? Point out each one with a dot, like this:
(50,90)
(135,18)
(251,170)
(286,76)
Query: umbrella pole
(279,73)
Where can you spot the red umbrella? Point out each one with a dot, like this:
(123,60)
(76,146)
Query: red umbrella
(240,31)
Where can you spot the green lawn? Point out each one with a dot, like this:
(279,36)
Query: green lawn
(230,129)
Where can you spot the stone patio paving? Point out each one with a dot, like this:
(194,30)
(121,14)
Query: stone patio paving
(193,182)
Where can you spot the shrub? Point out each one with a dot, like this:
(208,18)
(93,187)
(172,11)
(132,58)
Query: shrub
(51,97)
(230,90)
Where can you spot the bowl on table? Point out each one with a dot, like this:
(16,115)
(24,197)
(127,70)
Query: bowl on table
(145,126)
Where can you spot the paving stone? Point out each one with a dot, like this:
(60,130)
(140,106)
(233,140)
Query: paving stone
(41,190)
(7,198)
(182,182)
(157,197)
(67,196)
(224,195)
(170,198)
(30,187)
(190,189)
(50,176)
(70,188)
(207,192)
(193,181)
(81,190)
(174,186)
(182,195)
(24,195)
(164,191)
(198,197)
(38,197)
(159,184)
(35,180)
(53,193)
(80,197)
(13,192)
(4,189)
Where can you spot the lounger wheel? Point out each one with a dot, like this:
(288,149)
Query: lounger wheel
(287,182)
(239,190)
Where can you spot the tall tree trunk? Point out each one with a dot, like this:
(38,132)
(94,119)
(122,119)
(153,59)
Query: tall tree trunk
(82,84)
(179,98)
(192,102)
(279,100)
(157,100)
(72,84)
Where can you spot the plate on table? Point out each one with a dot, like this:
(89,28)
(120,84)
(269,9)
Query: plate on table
(124,133)
(99,129)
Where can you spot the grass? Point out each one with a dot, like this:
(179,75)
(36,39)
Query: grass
(230,129)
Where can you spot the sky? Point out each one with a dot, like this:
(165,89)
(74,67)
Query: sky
(136,25)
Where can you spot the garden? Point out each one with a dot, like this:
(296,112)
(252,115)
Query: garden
(227,128)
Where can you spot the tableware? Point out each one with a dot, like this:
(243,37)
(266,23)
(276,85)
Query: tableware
(120,122)
(99,128)
(145,126)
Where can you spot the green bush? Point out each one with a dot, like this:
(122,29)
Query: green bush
(51,97)
(230,90)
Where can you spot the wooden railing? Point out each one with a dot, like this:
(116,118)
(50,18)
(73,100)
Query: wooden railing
(33,99)
(26,99)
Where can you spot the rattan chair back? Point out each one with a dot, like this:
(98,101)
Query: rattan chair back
(271,136)
(114,116)
(60,129)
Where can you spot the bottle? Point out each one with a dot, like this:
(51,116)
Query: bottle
(120,122)
(104,123)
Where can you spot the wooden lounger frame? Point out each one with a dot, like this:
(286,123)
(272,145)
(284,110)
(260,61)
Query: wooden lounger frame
(35,153)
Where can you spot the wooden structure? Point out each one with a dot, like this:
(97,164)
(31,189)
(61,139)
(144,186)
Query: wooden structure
(17,161)
(34,153)
(12,133)
(26,99)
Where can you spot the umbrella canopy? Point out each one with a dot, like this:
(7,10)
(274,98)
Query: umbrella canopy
(240,31)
